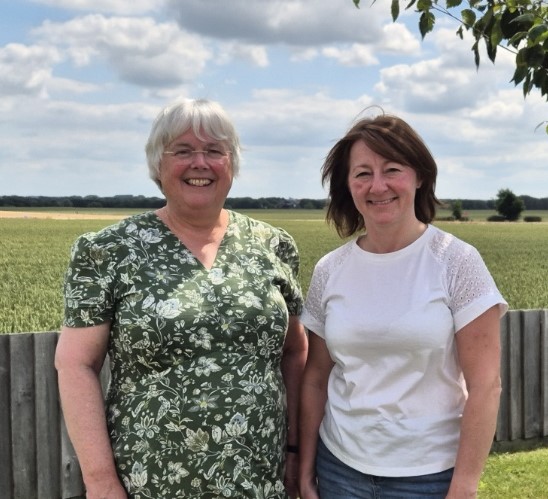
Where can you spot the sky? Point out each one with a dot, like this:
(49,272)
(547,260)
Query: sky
(82,80)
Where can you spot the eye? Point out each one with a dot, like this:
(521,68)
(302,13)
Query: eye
(362,174)
(183,153)
(215,153)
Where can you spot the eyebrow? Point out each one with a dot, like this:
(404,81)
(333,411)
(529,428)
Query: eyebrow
(190,146)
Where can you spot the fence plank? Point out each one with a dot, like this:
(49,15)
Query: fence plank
(531,374)
(515,367)
(23,434)
(72,484)
(6,482)
(48,433)
(503,423)
(544,369)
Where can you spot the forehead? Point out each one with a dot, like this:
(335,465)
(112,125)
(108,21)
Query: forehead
(190,138)
(362,155)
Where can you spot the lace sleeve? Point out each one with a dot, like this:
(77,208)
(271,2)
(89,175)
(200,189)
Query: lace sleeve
(313,315)
(472,289)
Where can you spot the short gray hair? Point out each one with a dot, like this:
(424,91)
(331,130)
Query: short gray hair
(200,115)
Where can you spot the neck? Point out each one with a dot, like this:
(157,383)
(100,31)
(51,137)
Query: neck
(389,239)
(202,236)
(200,228)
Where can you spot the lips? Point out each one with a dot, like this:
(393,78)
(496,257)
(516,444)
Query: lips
(198,182)
(381,203)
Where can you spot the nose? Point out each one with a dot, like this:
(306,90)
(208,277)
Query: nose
(378,183)
(199,159)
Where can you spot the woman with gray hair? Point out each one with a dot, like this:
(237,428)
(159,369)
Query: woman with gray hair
(197,308)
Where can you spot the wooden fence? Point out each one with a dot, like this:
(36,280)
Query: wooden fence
(38,461)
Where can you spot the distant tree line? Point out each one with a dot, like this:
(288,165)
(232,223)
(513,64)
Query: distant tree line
(530,203)
(130,201)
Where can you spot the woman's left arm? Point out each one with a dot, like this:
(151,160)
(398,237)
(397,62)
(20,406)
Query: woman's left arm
(293,362)
(478,347)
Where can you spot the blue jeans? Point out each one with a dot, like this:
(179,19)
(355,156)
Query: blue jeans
(336,480)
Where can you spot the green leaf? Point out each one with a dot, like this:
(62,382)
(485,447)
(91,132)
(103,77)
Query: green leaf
(424,5)
(496,31)
(476,53)
(453,3)
(410,4)
(526,20)
(534,56)
(516,39)
(468,17)
(509,29)
(491,50)
(357,3)
(540,78)
(520,73)
(538,33)
(395,8)
(527,85)
(426,23)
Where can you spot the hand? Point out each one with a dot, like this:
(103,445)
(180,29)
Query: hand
(308,489)
(106,490)
(462,489)
(291,481)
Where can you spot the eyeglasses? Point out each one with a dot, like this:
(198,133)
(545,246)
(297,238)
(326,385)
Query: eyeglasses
(186,156)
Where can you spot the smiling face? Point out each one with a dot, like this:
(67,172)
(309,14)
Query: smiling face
(196,181)
(383,191)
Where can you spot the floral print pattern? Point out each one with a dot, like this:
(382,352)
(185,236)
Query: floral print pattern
(196,404)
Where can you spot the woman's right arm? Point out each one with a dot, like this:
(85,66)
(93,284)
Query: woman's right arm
(313,399)
(79,357)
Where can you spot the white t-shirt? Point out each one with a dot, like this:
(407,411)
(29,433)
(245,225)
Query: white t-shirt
(396,392)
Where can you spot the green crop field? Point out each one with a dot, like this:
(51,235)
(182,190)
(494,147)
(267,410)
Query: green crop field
(34,254)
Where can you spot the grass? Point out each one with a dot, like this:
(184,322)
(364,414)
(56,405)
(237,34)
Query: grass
(518,475)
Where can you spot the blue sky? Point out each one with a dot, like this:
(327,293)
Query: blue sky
(81,82)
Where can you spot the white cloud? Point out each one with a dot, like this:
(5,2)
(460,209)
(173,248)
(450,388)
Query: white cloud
(232,51)
(292,22)
(306,54)
(448,81)
(286,117)
(355,55)
(142,51)
(121,7)
(26,69)
(397,39)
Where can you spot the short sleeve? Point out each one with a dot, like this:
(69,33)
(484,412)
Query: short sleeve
(88,286)
(472,288)
(288,254)
(313,315)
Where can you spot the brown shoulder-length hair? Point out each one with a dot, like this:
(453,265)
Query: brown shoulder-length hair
(392,138)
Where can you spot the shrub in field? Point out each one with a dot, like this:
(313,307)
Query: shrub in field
(496,218)
(509,205)
(457,210)
(532,218)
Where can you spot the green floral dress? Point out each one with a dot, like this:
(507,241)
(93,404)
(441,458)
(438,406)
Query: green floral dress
(196,404)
